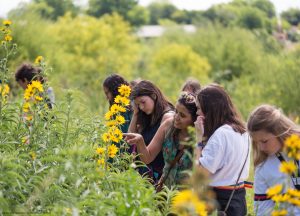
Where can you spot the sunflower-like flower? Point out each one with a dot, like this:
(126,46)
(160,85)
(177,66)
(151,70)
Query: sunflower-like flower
(275,190)
(112,150)
(124,90)
(38,60)
(282,212)
(187,202)
(6,23)
(287,167)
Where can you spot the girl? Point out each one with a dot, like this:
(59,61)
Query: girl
(170,139)
(269,128)
(151,109)
(191,85)
(225,155)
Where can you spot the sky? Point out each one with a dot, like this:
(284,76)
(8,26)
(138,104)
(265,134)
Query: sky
(280,5)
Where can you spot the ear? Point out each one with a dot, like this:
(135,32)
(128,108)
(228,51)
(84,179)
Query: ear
(154,97)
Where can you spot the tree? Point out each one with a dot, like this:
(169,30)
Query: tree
(52,9)
(160,11)
(98,8)
(138,16)
(266,6)
(292,16)
(252,18)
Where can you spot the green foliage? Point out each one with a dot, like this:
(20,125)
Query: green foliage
(266,6)
(160,10)
(171,64)
(292,16)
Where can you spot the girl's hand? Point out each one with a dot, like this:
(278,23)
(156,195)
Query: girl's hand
(133,138)
(135,108)
(199,128)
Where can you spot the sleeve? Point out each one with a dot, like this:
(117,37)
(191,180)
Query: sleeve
(212,157)
(262,204)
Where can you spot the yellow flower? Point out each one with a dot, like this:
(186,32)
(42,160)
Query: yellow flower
(122,100)
(293,192)
(111,123)
(282,212)
(33,155)
(287,167)
(120,119)
(29,118)
(124,90)
(38,85)
(106,137)
(38,59)
(187,202)
(8,38)
(25,140)
(101,161)
(6,22)
(295,202)
(281,198)
(112,151)
(108,115)
(5,91)
(275,190)
(26,107)
(292,140)
(38,98)
(100,150)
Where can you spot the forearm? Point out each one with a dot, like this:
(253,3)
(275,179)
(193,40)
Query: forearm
(133,124)
(144,153)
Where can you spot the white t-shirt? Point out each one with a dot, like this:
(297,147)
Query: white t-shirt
(267,175)
(224,155)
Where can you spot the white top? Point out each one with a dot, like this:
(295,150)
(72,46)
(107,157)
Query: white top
(224,155)
(51,96)
(267,174)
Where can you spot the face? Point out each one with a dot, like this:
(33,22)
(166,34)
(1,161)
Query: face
(145,104)
(182,118)
(108,94)
(266,142)
(199,111)
(23,84)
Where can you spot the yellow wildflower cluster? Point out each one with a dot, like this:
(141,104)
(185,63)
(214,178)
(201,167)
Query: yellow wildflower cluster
(287,167)
(4,91)
(292,146)
(5,30)
(113,120)
(32,97)
(186,202)
(279,213)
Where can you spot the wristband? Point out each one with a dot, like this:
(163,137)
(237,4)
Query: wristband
(200,144)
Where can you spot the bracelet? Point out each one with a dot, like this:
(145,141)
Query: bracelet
(200,144)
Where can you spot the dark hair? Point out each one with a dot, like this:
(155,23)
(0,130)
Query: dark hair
(218,110)
(28,72)
(161,104)
(188,100)
(192,84)
(112,83)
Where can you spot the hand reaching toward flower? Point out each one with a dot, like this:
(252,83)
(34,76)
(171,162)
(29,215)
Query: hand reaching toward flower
(133,138)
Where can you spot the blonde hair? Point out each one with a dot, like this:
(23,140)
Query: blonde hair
(270,119)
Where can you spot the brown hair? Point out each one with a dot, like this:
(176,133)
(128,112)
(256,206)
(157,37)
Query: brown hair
(161,104)
(112,83)
(270,119)
(191,84)
(188,100)
(28,72)
(218,110)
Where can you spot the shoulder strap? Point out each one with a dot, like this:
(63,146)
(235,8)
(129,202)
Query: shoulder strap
(172,164)
(237,181)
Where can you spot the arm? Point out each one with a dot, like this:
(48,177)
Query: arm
(133,123)
(149,153)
